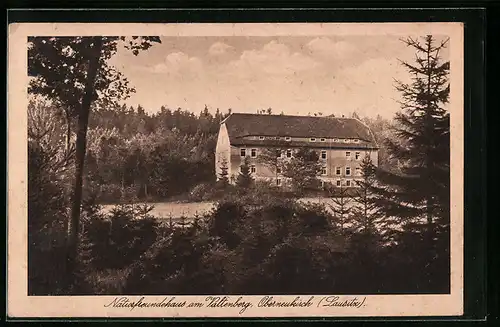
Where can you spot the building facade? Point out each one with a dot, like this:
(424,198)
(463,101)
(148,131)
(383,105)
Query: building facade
(341,144)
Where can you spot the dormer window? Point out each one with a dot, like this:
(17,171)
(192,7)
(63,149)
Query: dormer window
(288,138)
(312,139)
(261,138)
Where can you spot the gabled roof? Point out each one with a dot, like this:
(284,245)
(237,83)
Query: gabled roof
(240,125)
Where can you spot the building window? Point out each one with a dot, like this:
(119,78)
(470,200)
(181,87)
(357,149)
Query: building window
(338,171)
(335,140)
(261,138)
(358,171)
(322,139)
(322,184)
(348,183)
(348,154)
(356,141)
(288,153)
(278,181)
(323,170)
(339,182)
(323,154)
(278,170)
(243,152)
(288,138)
(346,140)
(312,139)
(253,153)
(348,171)
(253,169)
(277,138)
(357,155)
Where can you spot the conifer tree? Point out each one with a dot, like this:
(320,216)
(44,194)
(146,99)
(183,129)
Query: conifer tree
(341,204)
(244,179)
(423,144)
(223,174)
(366,216)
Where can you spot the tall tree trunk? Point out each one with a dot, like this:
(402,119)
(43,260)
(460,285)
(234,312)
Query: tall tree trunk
(429,198)
(68,130)
(81,140)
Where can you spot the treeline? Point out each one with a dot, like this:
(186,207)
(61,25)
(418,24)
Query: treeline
(132,153)
(150,156)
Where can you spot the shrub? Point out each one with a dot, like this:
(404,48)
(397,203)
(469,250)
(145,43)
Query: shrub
(47,217)
(119,238)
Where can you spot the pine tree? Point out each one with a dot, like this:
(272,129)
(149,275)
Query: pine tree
(244,179)
(422,128)
(223,175)
(366,216)
(341,204)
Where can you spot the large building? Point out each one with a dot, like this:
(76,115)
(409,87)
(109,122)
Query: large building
(341,143)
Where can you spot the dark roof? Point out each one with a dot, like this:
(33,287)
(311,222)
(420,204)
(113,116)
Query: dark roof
(240,125)
(296,144)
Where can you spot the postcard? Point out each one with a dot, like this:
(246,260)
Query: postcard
(235,170)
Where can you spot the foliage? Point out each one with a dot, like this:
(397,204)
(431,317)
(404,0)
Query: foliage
(302,169)
(366,213)
(223,180)
(47,219)
(244,179)
(118,238)
(59,67)
(341,203)
(423,124)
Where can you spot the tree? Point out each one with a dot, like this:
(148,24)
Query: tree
(341,204)
(423,145)
(366,212)
(244,179)
(45,131)
(303,169)
(74,72)
(223,175)
(272,157)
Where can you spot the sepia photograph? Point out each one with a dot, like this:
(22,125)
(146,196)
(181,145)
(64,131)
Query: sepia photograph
(273,170)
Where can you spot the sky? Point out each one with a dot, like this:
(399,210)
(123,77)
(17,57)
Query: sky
(296,75)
